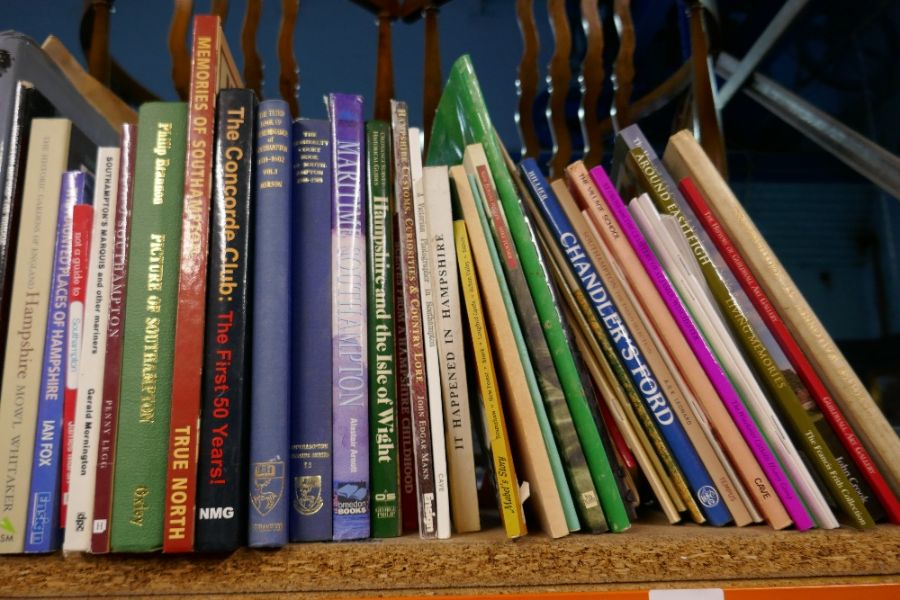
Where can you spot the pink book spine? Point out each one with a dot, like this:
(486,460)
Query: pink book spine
(733,403)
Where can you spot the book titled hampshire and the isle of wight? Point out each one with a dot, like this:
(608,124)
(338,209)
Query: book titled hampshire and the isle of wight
(146,384)
(349,321)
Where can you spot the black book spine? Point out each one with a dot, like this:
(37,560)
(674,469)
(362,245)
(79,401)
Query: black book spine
(222,471)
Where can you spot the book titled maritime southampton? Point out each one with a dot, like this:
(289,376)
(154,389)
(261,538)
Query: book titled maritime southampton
(222,461)
(271,345)
(349,321)
(146,385)
(311,468)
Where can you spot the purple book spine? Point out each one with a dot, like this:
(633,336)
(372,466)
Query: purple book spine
(714,371)
(350,439)
(43,501)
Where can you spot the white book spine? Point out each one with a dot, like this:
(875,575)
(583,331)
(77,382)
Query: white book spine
(432,359)
(83,470)
(448,329)
(716,332)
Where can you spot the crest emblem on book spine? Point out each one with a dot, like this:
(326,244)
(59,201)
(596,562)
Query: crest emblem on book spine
(308,494)
(268,485)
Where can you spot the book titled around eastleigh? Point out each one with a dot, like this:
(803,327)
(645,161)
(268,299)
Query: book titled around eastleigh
(310,464)
(222,456)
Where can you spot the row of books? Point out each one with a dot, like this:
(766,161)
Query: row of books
(258,330)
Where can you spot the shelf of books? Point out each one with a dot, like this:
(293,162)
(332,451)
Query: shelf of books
(246,354)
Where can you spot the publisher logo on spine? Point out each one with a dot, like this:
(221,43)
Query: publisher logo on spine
(708,496)
(268,485)
(308,494)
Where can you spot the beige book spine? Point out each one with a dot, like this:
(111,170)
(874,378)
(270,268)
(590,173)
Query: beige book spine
(684,157)
(726,431)
(47,156)
(616,289)
(535,463)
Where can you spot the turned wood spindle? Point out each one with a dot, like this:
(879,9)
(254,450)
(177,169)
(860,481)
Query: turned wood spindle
(623,70)
(558,84)
(527,80)
(178,49)
(289,77)
(253,67)
(592,75)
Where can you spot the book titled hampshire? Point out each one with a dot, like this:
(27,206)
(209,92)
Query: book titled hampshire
(48,156)
(271,345)
(43,501)
(146,384)
(212,68)
(222,461)
(311,510)
(350,392)
(383,422)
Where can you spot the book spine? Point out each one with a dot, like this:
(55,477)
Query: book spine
(29,301)
(311,405)
(383,430)
(350,435)
(412,307)
(658,337)
(42,534)
(221,517)
(702,487)
(857,463)
(82,217)
(109,408)
(270,378)
(181,475)
(496,438)
(146,384)
(448,329)
(774,478)
(799,420)
(432,359)
(80,516)
(407,462)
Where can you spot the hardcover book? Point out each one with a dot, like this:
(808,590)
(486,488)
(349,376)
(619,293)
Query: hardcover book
(80,512)
(146,385)
(350,399)
(109,408)
(54,147)
(383,429)
(414,366)
(432,359)
(311,398)
(212,69)
(222,456)
(44,498)
(271,343)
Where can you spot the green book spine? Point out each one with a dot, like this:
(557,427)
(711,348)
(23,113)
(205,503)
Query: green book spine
(383,434)
(800,422)
(149,338)
(462,96)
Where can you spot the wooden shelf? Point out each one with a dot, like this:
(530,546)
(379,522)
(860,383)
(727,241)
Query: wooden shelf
(648,556)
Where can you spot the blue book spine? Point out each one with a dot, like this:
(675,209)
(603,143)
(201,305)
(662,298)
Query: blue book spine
(42,534)
(310,464)
(350,437)
(702,486)
(270,387)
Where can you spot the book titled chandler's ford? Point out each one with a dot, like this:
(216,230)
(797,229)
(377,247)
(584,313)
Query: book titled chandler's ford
(349,321)
(146,385)
(212,68)
(271,346)
(311,511)
(222,461)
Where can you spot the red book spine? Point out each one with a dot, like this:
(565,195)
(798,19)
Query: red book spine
(82,219)
(805,370)
(109,404)
(407,465)
(181,478)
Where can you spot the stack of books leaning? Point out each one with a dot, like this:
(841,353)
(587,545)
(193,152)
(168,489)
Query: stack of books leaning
(228,327)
